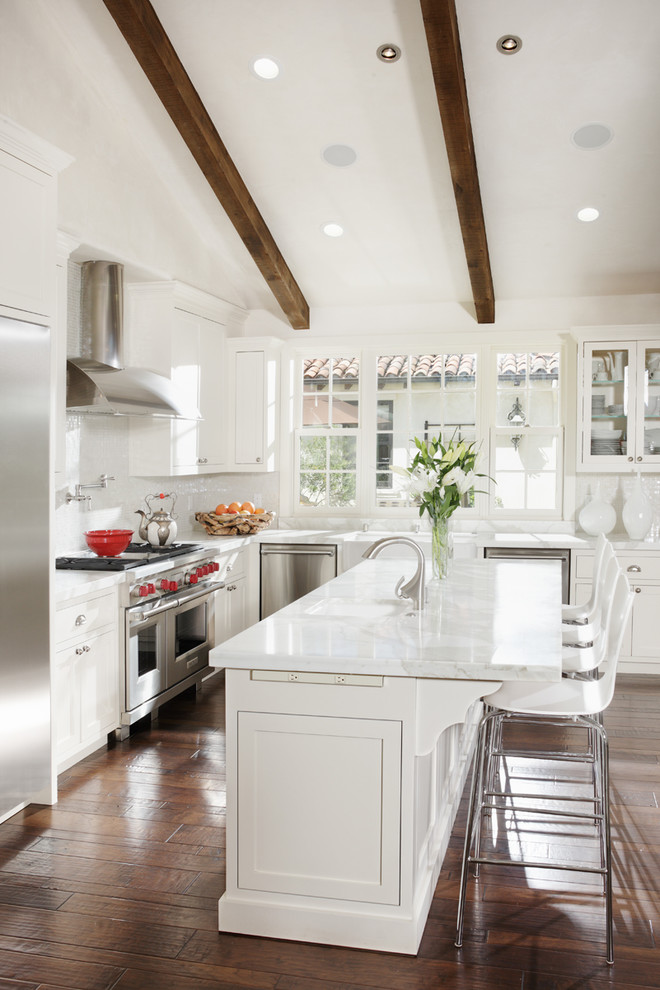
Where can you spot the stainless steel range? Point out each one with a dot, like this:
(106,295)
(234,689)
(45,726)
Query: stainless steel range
(167,605)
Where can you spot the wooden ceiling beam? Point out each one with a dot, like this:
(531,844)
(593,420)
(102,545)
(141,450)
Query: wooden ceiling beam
(441,26)
(140,26)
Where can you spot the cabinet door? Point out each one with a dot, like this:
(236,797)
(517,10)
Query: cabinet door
(66,707)
(185,376)
(318,806)
(211,454)
(645,613)
(27,245)
(98,677)
(249,407)
(647,447)
(231,610)
(608,405)
(237,607)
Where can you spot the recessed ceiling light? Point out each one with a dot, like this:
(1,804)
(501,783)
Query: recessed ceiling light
(266,68)
(587,214)
(509,44)
(340,155)
(592,136)
(332,229)
(388,53)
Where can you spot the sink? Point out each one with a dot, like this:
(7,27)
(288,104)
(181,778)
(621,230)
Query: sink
(349,608)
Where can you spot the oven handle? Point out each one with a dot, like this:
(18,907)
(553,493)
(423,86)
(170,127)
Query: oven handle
(137,613)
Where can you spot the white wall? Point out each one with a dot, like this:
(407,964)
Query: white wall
(134,193)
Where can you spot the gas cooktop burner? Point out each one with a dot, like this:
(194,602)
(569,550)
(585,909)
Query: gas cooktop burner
(135,555)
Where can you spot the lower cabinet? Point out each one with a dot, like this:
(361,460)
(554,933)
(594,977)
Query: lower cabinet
(85,677)
(336,781)
(236,606)
(641,648)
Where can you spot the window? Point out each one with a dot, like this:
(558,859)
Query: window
(526,443)
(328,439)
(419,395)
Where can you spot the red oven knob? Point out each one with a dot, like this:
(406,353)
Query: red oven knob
(151,588)
(164,584)
(143,591)
(215,565)
(200,572)
(205,568)
(193,579)
(173,585)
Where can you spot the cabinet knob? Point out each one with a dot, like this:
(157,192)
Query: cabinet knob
(631,458)
(82,649)
(202,460)
(634,569)
(81,619)
(258,460)
(638,591)
(639,458)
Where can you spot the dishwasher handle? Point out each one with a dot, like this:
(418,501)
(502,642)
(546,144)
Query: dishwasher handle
(307,551)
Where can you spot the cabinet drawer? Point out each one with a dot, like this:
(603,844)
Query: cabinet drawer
(648,564)
(84,616)
(233,564)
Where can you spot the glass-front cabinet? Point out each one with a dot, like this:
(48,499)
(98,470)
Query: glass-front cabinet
(620,405)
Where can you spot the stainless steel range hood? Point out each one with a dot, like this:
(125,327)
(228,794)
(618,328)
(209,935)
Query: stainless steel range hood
(97,380)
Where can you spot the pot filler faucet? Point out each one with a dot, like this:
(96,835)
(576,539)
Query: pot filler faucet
(414,589)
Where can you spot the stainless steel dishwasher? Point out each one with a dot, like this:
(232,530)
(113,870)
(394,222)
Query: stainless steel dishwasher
(290,570)
(537,553)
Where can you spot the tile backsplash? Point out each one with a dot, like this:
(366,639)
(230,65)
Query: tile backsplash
(96,445)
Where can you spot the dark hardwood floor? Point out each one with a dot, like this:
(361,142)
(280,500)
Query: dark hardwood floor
(117,885)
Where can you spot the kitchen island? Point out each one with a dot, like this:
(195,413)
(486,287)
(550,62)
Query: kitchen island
(350,724)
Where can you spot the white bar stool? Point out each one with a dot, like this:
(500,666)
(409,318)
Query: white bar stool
(565,702)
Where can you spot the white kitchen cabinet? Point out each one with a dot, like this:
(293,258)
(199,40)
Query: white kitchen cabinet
(236,606)
(640,651)
(85,676)
(619,404)
(339,780)
(253,367)
(28,206)
(180,333)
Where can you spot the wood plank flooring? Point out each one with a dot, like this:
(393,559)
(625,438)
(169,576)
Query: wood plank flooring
(116,886)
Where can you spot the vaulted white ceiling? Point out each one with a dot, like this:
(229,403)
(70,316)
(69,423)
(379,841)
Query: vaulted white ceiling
(585,62)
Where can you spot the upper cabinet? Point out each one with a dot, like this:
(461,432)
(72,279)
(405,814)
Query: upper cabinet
(253,378)
(180,333)
(28,206)
(619,403)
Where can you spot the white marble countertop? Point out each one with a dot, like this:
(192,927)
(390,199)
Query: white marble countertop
(498,621)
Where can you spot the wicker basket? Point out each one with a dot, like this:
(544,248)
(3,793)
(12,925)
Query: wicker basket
(231,524)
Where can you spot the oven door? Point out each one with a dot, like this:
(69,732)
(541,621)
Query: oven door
(146,652)
(188,635)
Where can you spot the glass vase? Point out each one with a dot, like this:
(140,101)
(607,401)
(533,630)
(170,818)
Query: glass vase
(441,547)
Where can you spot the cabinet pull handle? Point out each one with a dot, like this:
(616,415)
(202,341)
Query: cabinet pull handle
(81,619)
(82,649)
(634,569)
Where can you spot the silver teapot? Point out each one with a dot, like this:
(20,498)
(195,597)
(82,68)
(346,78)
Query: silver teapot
(159,528)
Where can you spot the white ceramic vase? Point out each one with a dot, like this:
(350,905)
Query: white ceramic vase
(597,517)
(637,513)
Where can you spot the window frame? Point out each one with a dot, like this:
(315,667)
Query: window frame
(366,431)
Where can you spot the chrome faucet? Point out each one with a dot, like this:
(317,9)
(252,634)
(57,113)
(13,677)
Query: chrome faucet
(414,589)
(78,495)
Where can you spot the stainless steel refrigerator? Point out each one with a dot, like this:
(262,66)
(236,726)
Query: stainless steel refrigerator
(25,762)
